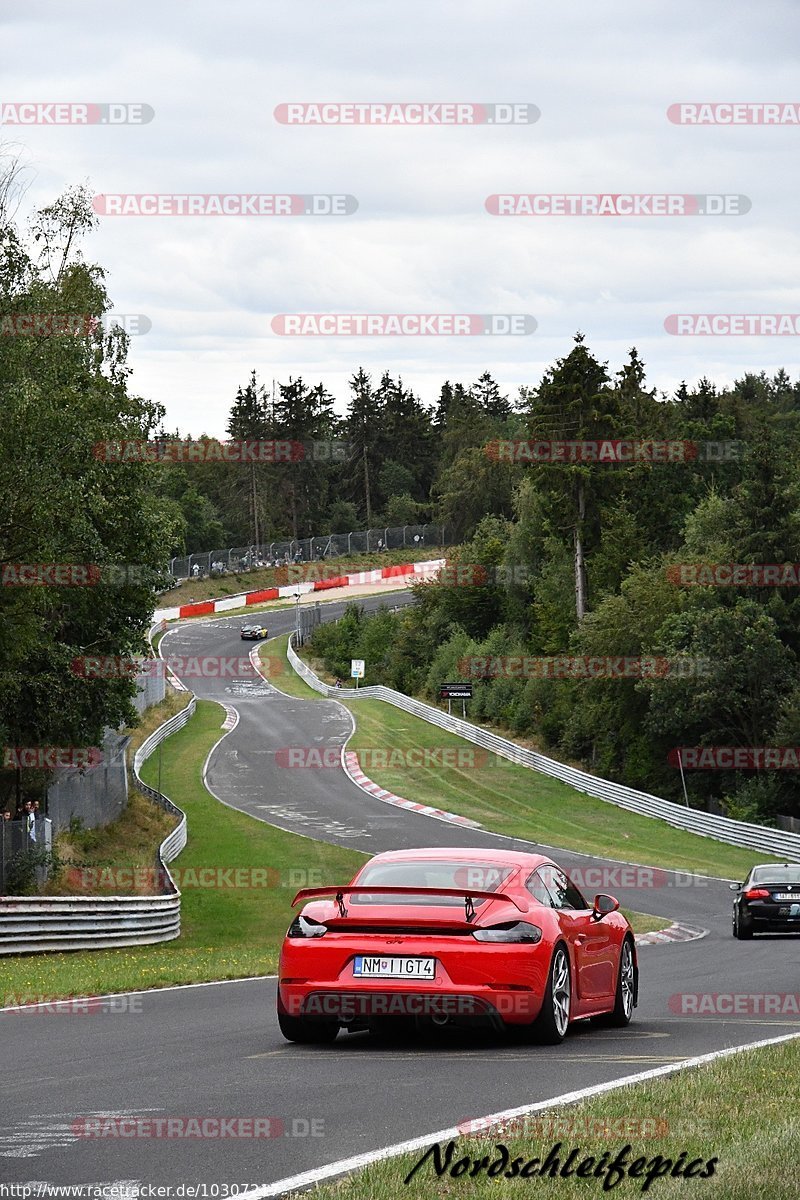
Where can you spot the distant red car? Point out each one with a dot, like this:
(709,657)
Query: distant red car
(450,936)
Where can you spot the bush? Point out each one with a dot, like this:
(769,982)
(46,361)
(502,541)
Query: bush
(22,868)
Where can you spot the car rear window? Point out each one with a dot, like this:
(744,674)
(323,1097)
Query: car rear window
(484,877)
(776,875)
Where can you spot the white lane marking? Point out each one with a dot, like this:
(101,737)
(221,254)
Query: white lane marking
(346,1165)
(153,991)
(229,709)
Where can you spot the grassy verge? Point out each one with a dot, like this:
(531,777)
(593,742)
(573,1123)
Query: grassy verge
(514,800)
(149,721)
(117,859)
(227,931)
(280,673)
(741,1111)
(251,581)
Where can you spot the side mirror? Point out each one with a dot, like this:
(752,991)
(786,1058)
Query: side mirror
(734,886)
(603,905)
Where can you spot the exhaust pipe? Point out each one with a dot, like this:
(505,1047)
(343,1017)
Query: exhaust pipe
(441,1019)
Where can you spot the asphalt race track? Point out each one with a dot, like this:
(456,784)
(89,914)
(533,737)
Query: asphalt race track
(215,1050)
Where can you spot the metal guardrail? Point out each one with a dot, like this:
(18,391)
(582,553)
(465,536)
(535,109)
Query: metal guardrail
(777,842)
(33,924)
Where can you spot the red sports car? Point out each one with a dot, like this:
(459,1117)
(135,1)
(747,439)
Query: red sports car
(451,936)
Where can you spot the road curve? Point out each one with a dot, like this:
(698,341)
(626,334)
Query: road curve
(215,1050)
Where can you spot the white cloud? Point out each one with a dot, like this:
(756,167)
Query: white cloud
(603,77)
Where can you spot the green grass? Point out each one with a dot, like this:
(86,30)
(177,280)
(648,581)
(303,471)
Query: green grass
(114,860)
(510,799)
(251,581)
(227,932)
(283,677)
(742,1110)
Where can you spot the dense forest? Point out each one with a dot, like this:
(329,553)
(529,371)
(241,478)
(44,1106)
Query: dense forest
(388,461)
(590,559)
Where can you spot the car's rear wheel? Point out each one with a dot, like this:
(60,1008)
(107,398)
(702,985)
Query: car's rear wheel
(550,1027)
(742,928)
(626,987)
(307,1030)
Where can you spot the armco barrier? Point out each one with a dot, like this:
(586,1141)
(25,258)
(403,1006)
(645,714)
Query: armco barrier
(776,842)
(404,572)
(33,924)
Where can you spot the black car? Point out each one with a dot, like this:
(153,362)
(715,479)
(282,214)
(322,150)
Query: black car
(255,630)
(767,901)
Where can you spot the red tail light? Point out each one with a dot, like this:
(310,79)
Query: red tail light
(756,893)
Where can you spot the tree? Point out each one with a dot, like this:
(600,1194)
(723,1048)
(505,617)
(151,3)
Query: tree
(362,426)
(63,498)
(249,419)
(304,416)
(574,403)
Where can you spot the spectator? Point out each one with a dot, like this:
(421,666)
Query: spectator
(196,570)
(380,544)
(7,814)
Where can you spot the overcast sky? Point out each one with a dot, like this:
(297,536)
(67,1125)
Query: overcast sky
(602,75)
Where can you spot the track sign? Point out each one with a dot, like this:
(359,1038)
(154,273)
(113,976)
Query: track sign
(455,691)
(356,668)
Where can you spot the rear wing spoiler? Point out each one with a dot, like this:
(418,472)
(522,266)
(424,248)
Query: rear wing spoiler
(468,895)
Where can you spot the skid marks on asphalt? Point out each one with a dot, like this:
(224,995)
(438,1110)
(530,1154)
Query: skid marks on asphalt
(43,1132)
(311,819)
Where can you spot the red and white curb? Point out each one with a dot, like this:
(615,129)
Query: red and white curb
(231,718)
(674,933)
(399,574)
(350,763)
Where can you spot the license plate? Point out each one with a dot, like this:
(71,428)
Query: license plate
(375,966)
(788,896)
